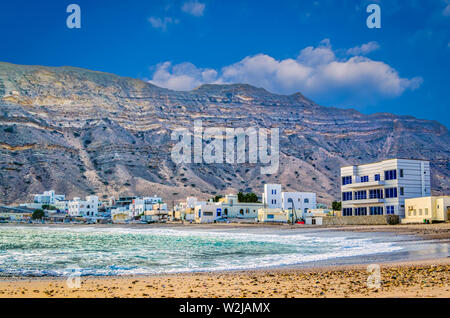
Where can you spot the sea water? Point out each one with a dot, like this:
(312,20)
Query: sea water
(58,251)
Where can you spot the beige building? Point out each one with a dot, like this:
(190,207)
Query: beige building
(158,213)
(272,215)
(243,210)
(432,208)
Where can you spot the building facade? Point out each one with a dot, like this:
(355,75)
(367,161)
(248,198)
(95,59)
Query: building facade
(138,206)
(272,215)
(208,212)
(381,188)
(272,196)
(87,208)
(431,209)
(232,208)
(48,197)
(301,201)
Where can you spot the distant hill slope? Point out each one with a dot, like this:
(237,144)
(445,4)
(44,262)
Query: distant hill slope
(80,132)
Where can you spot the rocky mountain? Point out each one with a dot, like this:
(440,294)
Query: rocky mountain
(81,132)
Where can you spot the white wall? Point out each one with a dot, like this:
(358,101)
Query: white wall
(272,196)
(303,201)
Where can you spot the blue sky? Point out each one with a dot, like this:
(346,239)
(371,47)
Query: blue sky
(321,48)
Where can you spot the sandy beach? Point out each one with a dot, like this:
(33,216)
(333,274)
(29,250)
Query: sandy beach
(399,278)
(413,279)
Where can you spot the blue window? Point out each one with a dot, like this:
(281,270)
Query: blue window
(361,195)
(346,196)
(199,213)
(390,209)
(377,177)
(390,192)
(360,211)
(376,210)
(270,216)
(390,175)
(376,194)
(365,179)
(306,201)
(346,180)
(347,211)
(219,212)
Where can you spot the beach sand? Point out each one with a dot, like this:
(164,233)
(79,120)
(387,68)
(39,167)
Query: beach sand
(425,278)
(412,278)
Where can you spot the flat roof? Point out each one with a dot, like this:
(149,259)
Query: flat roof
(369,163)
(429,196)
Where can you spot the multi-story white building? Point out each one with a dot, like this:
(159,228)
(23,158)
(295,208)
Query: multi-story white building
(380,188)
(84,208)
(272,196)
(48,197)
(302,201)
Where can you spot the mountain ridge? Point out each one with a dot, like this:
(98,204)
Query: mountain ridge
(82,132)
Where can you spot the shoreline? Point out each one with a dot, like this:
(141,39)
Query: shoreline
(404,274)
(421,278)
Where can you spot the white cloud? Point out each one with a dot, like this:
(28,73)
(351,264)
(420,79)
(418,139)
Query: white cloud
(182,77)
(162,23)
(194,7)
(314,56)
(316,72)
(364,49)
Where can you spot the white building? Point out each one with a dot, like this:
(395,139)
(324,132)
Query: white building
(48,197)
(84,208)
(140,205)
(302,201)
(62,206)
(208,212)
(272,196)
(156,212)
(381,188)
(232,208)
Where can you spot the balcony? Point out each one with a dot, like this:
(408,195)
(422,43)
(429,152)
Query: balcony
(362,202)
(369,184)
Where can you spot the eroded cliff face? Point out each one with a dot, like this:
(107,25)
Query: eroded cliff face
(80,132)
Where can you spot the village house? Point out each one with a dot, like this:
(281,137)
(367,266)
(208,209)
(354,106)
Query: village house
(232,208)
(87,208)
(427,209)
